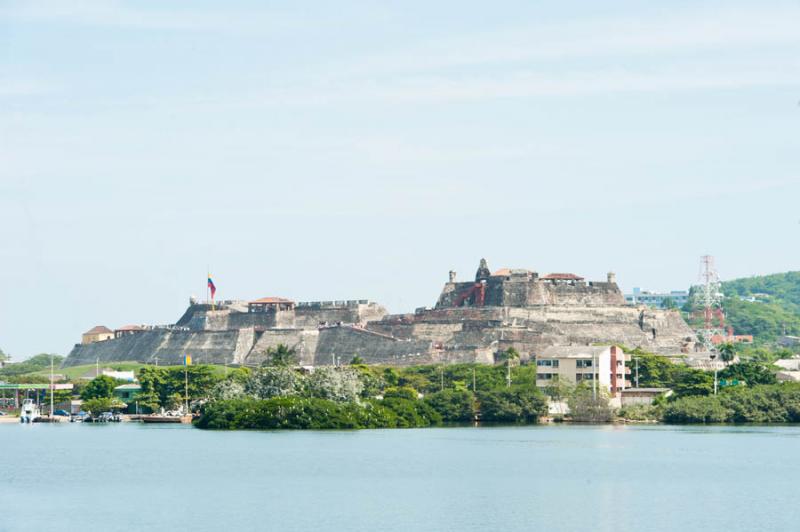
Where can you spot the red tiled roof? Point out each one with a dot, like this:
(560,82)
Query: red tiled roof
(502,272)
(131,328)
(100,329)
(272,300)
(562,277)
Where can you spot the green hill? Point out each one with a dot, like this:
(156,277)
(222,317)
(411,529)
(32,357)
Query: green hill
(776,305)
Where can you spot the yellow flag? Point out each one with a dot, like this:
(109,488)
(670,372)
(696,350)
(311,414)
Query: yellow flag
(187,360)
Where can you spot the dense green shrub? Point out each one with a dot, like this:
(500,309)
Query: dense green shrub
(513,405)
(453,406)
(411,413)
(401,392)
(758,404)
(287,413)
(750,372)
(312,413)
(696,410)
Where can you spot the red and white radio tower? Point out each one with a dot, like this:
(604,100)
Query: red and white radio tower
(709,296)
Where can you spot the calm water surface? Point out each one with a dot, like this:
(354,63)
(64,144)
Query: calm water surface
(554,478)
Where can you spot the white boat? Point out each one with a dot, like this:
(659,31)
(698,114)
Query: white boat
(29,412)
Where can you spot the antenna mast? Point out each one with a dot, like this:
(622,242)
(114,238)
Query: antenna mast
(709,297)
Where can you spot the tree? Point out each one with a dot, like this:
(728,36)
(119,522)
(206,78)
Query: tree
(752,373)
(228,389)
(559,391)
(453,405)
(727,351)
(356,361)
(281,356)
(512,406)
(100,387)
(268,382)
(98,405)
(588,405)
(147,401)
(334,384)
(401,392)
(693,382)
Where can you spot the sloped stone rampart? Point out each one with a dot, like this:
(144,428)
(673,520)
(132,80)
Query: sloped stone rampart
(375,348)
(167,346)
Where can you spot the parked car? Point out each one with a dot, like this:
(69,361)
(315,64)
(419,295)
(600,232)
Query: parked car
(61,413)
(2,413)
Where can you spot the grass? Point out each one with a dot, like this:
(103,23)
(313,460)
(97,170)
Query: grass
(75,372)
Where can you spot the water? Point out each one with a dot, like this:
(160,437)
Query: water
(555,478)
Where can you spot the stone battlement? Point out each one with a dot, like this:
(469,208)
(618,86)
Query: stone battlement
(524,288)
(472,321)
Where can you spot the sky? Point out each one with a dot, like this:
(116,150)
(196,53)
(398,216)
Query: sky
(361,150)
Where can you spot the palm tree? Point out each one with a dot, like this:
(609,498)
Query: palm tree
(281,355)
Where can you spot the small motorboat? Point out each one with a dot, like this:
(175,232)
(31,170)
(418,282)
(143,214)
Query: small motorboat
(30,411)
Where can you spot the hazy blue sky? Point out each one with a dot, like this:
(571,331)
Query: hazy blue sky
(344,149)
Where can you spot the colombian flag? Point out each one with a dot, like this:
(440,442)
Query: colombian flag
(187,360)
(211,286)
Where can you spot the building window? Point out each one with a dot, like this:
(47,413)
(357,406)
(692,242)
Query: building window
(584,377)
(547,363)
(544,376)
(583,363)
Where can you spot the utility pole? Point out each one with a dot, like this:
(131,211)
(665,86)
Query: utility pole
(441,377)
(97,367)
(594,379)
(186,384)
(474,387)
(52,386)
(637,370)
(156,361)
(712,357)
(508,372)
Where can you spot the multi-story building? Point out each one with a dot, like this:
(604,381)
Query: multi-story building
(657,299)
(577,364)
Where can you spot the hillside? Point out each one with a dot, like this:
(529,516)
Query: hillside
(780,288)
(766,306)
(776,307)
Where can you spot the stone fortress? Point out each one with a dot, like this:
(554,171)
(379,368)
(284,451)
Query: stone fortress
(473,321)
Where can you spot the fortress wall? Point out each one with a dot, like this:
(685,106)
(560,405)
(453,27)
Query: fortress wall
(168,345)
(514,292)
(374,348)
(303,341)
(581,294)
(244,344)
(371,312)
(310,317)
